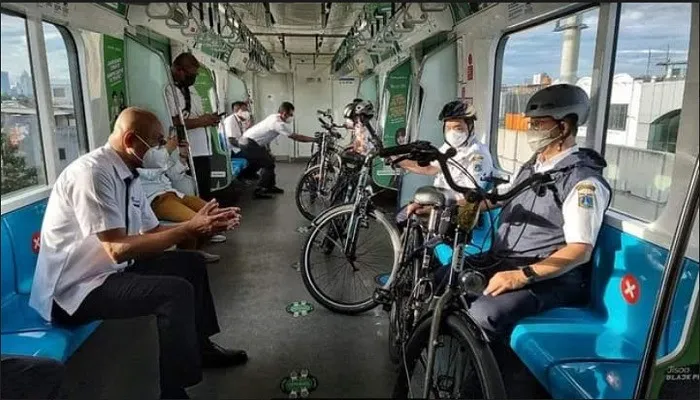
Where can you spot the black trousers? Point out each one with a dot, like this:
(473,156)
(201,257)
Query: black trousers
(497,315)
(260,159)
(25,377)
(202,169)
(174,287)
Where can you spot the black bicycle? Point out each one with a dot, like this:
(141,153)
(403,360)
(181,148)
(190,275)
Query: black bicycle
(448,354)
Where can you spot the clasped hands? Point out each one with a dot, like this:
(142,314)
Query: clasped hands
(212,219)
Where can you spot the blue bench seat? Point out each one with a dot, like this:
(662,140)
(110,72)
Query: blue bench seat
(23,331)
(595,351)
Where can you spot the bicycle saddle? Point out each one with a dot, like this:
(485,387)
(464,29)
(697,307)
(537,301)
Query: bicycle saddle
(431,196)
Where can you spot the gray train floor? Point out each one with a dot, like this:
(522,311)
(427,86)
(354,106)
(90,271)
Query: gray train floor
(252,285)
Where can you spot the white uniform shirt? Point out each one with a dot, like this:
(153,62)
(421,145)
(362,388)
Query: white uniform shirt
(233,128)
(584,207)
(267,130)
(475,157)
(89,197)
(200,144)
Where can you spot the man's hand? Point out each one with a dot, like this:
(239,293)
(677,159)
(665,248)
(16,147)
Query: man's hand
(233,212)
(209,221)
(210,119)
(415,208)
(505,281)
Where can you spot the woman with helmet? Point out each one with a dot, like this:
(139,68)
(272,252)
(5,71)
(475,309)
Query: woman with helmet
(361,115)
(546,236)
(457,120)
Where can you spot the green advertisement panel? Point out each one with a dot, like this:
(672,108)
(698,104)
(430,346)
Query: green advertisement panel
(397,88)
(113,56)
(221,175)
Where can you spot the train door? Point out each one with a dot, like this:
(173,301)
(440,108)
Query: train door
(312,91)
(271,91)
(437,86)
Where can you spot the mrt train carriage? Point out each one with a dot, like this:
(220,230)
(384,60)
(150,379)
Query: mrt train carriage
(68,69)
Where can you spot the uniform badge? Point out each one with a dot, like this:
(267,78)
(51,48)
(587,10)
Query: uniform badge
(476,158)
(585,195)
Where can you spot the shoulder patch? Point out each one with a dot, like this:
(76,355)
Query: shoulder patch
(476,158)
(585,193)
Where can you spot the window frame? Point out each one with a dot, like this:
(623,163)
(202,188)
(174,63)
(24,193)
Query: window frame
(498,65)
(38,63)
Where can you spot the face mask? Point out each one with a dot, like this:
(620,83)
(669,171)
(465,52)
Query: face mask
(349,124)
(188,80)
(538,140)
(289,120)
(244,115)
(456,138)
(156,158)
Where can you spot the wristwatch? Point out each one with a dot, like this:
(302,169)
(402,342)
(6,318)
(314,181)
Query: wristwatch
(530,274)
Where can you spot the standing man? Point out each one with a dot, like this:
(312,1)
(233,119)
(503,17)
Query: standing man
(255,148)
(103,256)
(184,71)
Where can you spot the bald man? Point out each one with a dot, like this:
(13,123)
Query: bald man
(184,71)
(103,255)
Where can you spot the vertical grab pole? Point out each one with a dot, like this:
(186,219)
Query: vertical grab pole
(669,283)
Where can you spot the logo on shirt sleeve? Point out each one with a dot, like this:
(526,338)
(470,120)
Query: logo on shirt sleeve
(586,193)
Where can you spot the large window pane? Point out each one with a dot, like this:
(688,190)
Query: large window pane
(22,157)
(650,65)
(559,51)
(66,121)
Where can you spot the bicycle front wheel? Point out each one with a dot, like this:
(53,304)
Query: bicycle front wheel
(345,283)
(464,368)
(312,195)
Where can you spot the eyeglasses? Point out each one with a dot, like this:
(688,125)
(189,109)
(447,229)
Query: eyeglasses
(540,124)
(161,142)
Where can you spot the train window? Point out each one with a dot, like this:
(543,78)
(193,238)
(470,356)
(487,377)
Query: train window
(65,92)
(648,85)
(557,51)
(22,155)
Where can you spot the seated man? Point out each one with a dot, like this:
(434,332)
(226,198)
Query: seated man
(168,203)
(255,147)
(233,125)
(102,256)
(458,129)
(540,257)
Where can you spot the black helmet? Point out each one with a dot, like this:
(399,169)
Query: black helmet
(349,111)
(364,109)
(457,109)
(558,101)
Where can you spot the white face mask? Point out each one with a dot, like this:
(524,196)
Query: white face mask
(538,140)
(349,124)
(244,115)
(155,157)
(456,138)
(289,120)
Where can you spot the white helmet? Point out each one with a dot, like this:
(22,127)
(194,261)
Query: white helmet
(558,101)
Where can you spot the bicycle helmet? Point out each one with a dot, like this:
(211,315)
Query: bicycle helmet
(457,109)
(349,111)
(364,109)
(559,101)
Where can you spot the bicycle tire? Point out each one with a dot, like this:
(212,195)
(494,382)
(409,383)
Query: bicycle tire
(397,306)
(304,265)
(299,190)
(484,362)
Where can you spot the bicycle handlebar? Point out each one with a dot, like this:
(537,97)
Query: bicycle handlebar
(423,151)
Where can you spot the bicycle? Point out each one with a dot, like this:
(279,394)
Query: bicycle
(339,227)
(447,318)
(321,173)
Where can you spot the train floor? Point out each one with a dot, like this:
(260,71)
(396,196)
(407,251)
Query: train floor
(252,284)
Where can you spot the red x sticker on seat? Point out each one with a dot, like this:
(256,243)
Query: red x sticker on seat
(631,291)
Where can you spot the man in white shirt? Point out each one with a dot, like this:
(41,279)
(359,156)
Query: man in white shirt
(255,144)
(184,70)
(458,127)
(103,255)
(234,125)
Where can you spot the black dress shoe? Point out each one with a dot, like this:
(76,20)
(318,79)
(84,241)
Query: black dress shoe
(215,356)
(176,393)
(275,190)
(261,194)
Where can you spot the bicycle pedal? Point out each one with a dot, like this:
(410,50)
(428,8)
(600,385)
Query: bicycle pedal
(383,297)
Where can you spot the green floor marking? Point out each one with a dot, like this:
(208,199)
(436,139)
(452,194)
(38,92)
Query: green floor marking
(299,384)
(300,308)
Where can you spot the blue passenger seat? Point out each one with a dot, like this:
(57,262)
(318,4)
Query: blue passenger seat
(24,332)
(594,352)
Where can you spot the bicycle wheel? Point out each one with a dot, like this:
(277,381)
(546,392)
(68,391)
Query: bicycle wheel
(465,367)
(329,274)
(400,315)
(309,202)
